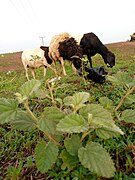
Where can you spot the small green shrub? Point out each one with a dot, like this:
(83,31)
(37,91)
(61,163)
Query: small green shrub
(69,130)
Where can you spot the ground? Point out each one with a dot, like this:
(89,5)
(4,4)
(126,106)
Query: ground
(19,146)
(12,61)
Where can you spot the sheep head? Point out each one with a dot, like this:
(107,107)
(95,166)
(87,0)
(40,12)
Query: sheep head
(46,54)
(110,59)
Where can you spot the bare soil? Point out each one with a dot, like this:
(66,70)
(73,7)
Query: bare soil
(12,61)
(123,47)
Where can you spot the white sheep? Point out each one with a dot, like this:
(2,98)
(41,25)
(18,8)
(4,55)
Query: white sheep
(35,58)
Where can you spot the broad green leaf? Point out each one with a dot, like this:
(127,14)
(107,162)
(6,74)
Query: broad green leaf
(73,123)
(72,144)
(69,161)
(121,79)
(97,111)
(49,126)
(130,99)
(46,126)
(77,101)
(132,83)
(29,87)
(109,132)
(68,101)
(58,136)
(8,110)
(49,119)
(53,114)
(113,79)
(41,94)
(101,120)
(97,160)
(90,120)
(23,121)
(45,155)
(106,103)
(128,116)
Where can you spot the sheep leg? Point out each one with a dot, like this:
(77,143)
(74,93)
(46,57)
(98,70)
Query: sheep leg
(53,69)
(26,70)
(32,72)
(44,71)
(54,65)
(27,75)
(62,66)
(74,69)
(90,60)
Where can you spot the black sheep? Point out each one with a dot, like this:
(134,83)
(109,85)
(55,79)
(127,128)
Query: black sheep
(91,45)
(96,74)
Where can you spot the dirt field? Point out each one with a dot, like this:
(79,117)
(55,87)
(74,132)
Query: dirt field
(12,61)
(123,47)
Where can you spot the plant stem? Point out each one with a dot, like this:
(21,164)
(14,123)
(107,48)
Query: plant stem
(122,100)
(53,140)
(85,134)
(35,119)
(29,111)
(117,159)
(50,89)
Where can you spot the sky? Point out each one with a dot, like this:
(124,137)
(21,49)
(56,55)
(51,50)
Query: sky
(24,22)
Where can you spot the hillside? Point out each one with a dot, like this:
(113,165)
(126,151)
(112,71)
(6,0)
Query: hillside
(33,113)
(12,61)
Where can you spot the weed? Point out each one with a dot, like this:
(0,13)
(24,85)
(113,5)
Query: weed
(18,146)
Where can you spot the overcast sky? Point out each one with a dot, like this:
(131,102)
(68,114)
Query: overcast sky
(23,22)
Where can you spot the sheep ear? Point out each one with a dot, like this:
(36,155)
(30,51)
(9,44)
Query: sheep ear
(43,48)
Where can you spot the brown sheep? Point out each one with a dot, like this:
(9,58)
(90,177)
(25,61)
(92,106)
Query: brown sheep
(62,47)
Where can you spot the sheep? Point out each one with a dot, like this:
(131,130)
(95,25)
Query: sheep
(37,57)
(62,47)
(91,45)
(96,74)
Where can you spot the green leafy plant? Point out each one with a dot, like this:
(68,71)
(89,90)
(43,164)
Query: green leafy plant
(35,58)
(123,80)
(84,73)
(68,132)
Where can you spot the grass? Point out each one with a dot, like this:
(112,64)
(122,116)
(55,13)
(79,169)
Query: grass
(17,147)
